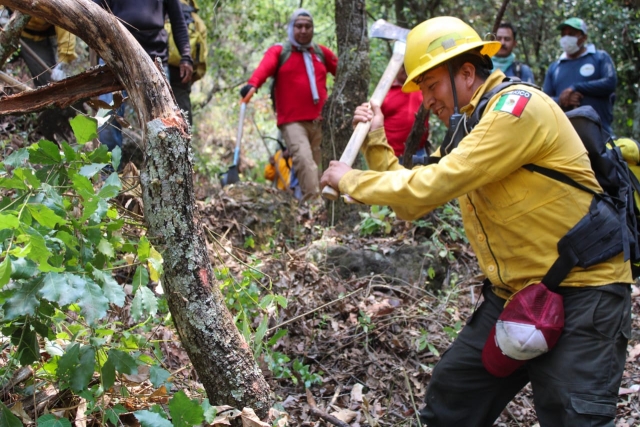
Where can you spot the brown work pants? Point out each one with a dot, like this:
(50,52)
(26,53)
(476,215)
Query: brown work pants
(303,141)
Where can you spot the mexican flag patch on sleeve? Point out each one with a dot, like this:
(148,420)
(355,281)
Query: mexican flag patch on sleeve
(513,102)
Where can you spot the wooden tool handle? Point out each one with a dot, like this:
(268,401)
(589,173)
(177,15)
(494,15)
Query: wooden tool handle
(362,129)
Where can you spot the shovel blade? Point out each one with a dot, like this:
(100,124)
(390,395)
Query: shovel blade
(230,177)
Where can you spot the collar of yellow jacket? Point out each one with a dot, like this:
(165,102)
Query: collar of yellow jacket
(493,80)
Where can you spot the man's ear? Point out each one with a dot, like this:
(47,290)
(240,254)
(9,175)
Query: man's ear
(468,72)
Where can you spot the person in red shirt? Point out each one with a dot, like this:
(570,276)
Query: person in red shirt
(300,93)
(399,111)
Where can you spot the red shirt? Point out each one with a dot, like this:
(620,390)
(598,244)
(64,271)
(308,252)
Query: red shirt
(399,110)
(293,92)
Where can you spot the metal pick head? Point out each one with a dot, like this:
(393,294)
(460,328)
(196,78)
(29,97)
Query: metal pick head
(384,30)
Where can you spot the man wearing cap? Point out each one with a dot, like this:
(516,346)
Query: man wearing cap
(582,75)
(513,218)
(300,69)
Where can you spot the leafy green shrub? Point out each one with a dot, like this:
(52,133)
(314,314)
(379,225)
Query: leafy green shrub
(378,220)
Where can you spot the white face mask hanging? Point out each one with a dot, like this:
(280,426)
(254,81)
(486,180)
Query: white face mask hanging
(569,44)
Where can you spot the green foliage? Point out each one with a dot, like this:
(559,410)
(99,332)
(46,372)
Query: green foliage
(378,220)
(61,241)
(307,377)
(185,412)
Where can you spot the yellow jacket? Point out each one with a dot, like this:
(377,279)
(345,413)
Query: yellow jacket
(66,40)
(513,218)
(284,167)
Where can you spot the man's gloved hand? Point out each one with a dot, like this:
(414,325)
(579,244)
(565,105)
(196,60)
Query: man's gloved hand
(58,73)
(245,90)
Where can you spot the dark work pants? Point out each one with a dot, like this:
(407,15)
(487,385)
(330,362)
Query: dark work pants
(182,92)
(46,50)
(574,385)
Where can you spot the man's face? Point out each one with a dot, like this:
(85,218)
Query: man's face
(505,36)
(570,31)
(436,93)
(303,30)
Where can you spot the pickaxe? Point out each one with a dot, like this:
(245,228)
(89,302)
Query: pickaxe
(384,30)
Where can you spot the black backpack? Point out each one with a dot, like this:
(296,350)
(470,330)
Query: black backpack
(611,225)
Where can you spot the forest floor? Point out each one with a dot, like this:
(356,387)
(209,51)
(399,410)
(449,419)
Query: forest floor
(373,340)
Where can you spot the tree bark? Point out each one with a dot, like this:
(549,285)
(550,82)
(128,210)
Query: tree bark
(220,355)
(350,88)
(499,15)
(10,35)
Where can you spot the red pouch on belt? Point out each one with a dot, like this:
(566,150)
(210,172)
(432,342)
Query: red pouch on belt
(528,327)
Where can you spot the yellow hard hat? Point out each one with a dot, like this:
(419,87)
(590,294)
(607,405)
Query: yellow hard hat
(437,40)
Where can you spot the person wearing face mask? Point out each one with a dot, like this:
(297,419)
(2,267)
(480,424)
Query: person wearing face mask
(514,219)
(300,69)
(582,75)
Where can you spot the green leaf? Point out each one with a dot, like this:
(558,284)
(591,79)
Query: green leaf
(144,249)
(12,184)
(26,175)
(69,153)
(92,169)
(9,222)
(111,187)
(82,185)
(23,301)
(158,376)
(113,414)
(105,247)
(151,419)
(70,241)
(44,152)
(62,289)
(7,419)
(28,347)
(210,412)
(93,303)
(140,278)
(67,363)
(5,271)
(17,158)
(144,304)
(39,251)
(116,157)
(184,411)
(51,420)
(99,155)
(45,216)
(111,289)
(123,363)
(155,265)
(108,373)
(262,329)
(83,372)
(84,128)
(23,268)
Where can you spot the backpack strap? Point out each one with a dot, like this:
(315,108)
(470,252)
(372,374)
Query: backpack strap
(517,69)
(285,54)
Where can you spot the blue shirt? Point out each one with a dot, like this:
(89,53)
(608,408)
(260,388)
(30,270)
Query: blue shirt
(592,74)
(526,75)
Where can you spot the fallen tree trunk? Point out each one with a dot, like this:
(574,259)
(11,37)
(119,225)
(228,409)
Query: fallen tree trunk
(93,82)
(219,353)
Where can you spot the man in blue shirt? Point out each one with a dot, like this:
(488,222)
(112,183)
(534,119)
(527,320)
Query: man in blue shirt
(582,75)
(505,59)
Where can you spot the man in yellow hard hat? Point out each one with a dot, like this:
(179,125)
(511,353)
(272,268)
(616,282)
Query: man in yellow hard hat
(568,340)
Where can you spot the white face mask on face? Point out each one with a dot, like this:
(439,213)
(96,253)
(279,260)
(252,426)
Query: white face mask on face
(569,44)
